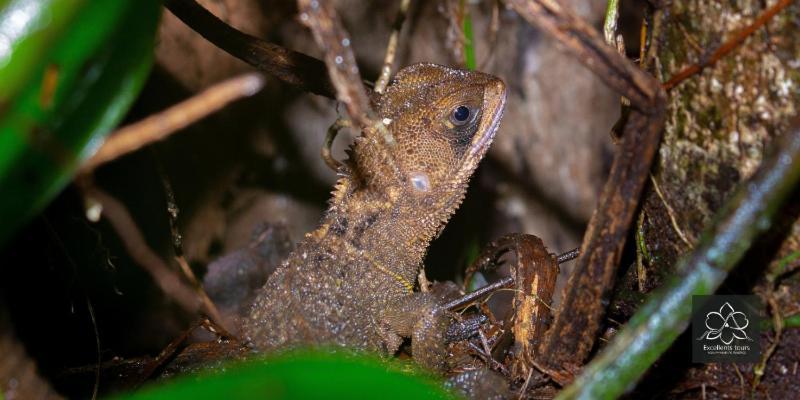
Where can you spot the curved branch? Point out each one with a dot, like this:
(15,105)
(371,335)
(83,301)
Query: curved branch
(307,73)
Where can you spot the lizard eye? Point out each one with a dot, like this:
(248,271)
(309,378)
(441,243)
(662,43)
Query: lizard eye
(462,122)
(460,115)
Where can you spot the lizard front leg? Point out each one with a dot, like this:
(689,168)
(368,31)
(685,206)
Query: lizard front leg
(421,317)
(430,321)
(431,326)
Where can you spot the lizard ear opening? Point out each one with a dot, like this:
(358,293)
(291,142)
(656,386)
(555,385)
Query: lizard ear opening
(420,182)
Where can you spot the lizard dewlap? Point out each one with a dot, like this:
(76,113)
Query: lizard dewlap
(350,283)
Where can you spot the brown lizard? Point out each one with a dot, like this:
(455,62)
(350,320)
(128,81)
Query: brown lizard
(351,282)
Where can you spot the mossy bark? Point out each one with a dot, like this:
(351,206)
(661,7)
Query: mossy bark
(718,126)
(720,121)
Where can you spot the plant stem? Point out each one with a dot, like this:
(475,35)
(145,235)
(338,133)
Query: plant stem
(469,38)
(792,321)
(610,22)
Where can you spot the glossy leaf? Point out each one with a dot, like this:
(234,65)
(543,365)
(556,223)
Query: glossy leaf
(69,69)
(302,375)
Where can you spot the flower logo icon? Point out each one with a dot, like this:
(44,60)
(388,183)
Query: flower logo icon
(726,325)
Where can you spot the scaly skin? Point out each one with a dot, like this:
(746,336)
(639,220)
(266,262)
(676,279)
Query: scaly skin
(350,282)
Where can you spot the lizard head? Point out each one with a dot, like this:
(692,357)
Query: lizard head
(443,121)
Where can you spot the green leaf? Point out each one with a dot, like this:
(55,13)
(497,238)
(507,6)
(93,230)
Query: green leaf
(303,375)
(69,70)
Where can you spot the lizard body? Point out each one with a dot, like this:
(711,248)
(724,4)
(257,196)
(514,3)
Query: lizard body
(349,282)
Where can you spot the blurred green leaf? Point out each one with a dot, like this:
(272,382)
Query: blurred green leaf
(69,70)
(303,375)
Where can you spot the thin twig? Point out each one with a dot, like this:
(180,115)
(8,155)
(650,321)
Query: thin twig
(391,48)
(332,38)
(524,388)
(133,240)
(177,246)
(741,380)
(689,38)
(589,47)
(651,331)
(777,320)
(568,256)
(323,21)
(159,126)
(476,294)
(670,213)
(732,43)
(167,352)
(641,248)
(490,255)
(96,386)
(297,69)
(644,33)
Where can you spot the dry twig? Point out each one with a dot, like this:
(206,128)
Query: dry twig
(133,240)
(726,47)
(159,126)
(391,48)
(297,69)
(334,41)
(96,385)
(332,38)
(670,213)
(177,246)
